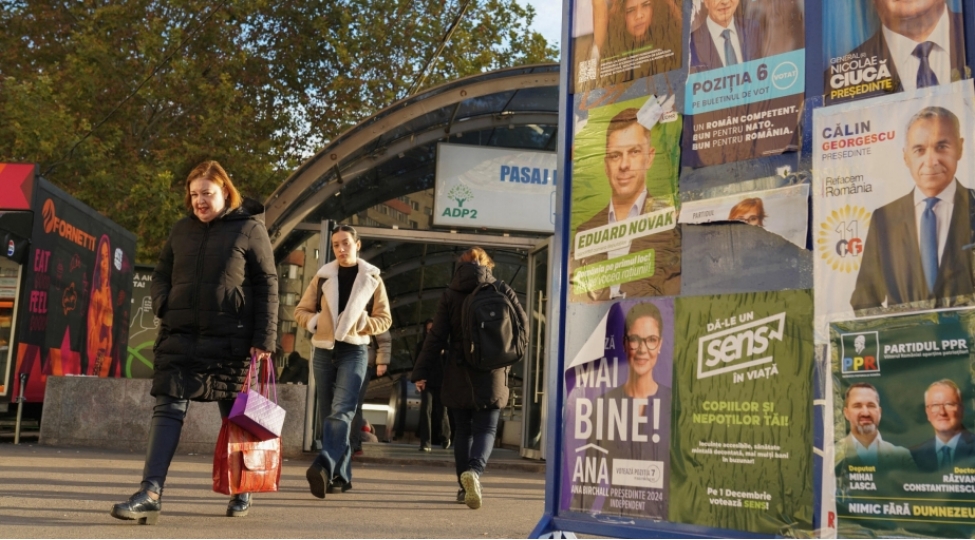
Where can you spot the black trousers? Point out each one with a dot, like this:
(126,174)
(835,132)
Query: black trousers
(434,425)
(164,431)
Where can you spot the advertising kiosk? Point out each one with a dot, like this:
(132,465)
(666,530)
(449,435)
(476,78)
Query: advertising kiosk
(65,286)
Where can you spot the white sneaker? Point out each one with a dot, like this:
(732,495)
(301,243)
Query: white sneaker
(472,489)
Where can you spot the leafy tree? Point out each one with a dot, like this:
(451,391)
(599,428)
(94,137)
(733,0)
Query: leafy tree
(117,101)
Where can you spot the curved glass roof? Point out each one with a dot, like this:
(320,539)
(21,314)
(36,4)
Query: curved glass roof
(393,153)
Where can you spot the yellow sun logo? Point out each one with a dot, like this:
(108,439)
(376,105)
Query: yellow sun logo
(839,239)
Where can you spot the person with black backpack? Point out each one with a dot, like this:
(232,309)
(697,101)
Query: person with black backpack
(483,328)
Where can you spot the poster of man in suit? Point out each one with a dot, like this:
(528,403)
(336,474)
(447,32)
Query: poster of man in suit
(624,216)
(894,209)
(917,479)
(745,80)
(878,47)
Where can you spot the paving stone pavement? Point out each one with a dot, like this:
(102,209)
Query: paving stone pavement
(57,492)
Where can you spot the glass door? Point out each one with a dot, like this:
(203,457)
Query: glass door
(534,402)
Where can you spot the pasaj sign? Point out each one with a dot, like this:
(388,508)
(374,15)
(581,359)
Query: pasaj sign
(495,188)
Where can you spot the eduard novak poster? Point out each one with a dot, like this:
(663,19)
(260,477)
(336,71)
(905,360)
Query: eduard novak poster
(626,243)
(893,203)
(617,439)
(904,449)
(741,453)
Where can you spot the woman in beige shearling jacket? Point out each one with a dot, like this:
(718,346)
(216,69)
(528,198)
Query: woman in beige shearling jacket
(342,307)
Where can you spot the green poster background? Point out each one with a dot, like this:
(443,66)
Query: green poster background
(908,354)
(741,454)
(590,188)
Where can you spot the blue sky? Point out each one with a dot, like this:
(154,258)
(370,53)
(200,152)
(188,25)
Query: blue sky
(548,19)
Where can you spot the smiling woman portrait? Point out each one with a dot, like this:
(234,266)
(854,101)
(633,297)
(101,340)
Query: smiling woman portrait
(215,292)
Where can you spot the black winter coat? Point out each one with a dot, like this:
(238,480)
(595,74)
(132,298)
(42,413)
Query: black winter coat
(215,291)
(463,388)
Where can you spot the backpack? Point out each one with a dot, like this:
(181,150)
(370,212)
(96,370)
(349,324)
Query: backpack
(494,329)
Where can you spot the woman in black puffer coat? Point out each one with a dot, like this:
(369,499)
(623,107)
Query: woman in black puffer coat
(475,398)
(215,292)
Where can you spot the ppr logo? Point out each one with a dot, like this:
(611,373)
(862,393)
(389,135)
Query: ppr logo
(860,353)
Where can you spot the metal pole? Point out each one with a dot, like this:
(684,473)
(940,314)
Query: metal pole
(324,256)
(20,407)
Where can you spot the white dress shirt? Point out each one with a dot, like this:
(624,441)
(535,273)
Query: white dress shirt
(716,30)
(942,212)
(635,210)
(901,49)
(867,454)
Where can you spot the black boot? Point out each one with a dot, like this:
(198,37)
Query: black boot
(140,506)
(239,505)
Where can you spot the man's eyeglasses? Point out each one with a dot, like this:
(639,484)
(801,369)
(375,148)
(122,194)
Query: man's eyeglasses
(950,406)
(651,342)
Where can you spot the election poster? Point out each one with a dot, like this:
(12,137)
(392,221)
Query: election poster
(893,203)
(742,439)
(746,80)
(619,41)
(878,47)
(618,411)
(625,241)
(903,408)
(783,211)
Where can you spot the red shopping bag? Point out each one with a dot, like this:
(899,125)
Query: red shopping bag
(242,463)
(253,410)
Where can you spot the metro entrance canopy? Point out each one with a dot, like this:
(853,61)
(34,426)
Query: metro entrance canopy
(393,153)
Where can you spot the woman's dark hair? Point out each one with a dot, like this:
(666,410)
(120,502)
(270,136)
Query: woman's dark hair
(349,229)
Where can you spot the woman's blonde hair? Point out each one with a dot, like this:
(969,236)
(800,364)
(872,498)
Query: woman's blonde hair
(477,255)
(212,171)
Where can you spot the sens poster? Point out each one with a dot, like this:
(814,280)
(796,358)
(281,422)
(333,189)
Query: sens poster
(741,455)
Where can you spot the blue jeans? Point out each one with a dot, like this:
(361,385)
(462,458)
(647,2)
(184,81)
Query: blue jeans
(339,374)
(474,433)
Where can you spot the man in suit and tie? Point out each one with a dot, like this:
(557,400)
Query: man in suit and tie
(952,444)
(918,248)
(864,445)
(629,155)
(722,39)
(921,43)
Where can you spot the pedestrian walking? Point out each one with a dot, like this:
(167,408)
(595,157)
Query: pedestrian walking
(475,398)
(434,426)
(342,307)
(215,292)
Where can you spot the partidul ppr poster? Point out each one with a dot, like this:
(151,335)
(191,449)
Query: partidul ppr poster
(741,455)
(904,448)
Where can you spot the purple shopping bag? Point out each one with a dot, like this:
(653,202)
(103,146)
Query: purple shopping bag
(253,409)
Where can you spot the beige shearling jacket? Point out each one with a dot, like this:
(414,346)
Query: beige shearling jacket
(353,325)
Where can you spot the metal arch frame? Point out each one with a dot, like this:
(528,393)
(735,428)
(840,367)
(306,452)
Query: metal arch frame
(283,214)
(307,205)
